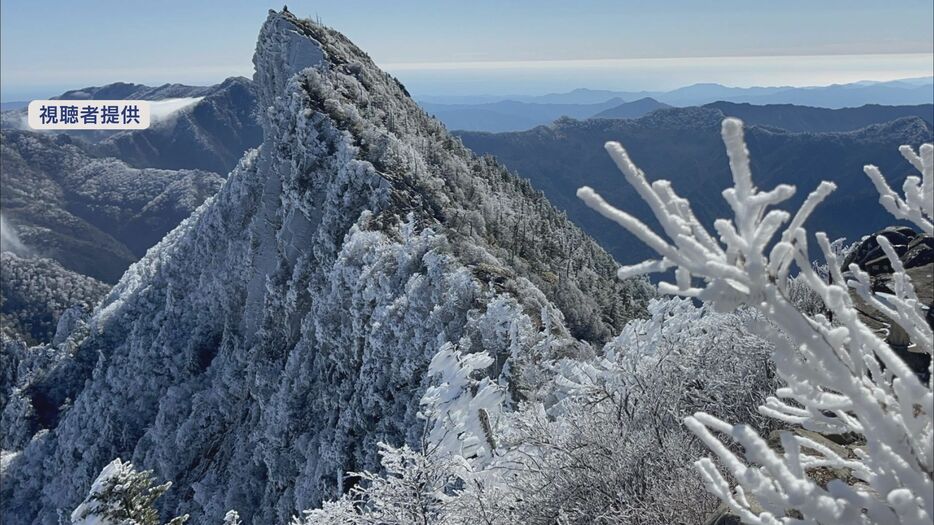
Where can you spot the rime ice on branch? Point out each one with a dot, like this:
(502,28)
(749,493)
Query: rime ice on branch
(840,376)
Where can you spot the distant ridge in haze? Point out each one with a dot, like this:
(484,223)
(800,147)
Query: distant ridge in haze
(683,145)
(805,118)
(896,92)
(518,112)
(511,115)
(634,109)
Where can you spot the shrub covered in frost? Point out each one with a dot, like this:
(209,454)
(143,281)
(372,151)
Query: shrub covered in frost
(840,376)
(122,496)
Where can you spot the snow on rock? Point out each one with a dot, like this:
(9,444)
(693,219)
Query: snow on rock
(270,342)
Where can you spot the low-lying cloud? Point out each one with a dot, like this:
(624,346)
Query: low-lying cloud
(10,241)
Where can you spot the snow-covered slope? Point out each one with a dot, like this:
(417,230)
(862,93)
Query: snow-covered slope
(265,346)
(35,292)
(208,129)
(193,127)
(93,215)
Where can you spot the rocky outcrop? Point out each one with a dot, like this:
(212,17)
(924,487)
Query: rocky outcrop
(265,346)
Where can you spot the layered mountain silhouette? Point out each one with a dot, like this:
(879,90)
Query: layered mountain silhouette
(805,118)
(683,145)
(95,216)
(896,92)
(209,130)
(269,342)
(634,109)
(511,115)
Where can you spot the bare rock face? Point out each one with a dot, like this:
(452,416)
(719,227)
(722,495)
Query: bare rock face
(266,345)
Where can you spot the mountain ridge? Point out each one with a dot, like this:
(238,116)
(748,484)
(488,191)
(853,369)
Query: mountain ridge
(267,343)
(705,93)
(634,109)
(683,145)
(796,118)
(94,215)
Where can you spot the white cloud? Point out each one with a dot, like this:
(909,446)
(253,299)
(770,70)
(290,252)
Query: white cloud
(162,109)
(9,240)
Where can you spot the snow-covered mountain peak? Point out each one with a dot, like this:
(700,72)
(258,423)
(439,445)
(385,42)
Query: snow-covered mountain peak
(285,47)
(265,346)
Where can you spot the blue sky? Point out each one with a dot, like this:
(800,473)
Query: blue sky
(476,47)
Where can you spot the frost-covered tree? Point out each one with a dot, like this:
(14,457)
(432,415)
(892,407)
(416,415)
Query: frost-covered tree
(600,441)
(232,518)
(412,490)
(122,496)
(605,444)
(840,377)
(461,409)
(418,486)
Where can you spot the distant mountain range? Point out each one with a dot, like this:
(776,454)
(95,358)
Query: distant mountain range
(209,131)
(515,113)
(683,145)
(634,109)
(803,118)
(211,134)
(222,121)
(511,115)
(704,93)
(84,200)
(95,216)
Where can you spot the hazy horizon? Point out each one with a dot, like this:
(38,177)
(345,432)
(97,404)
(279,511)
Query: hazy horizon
(465,90)
(484,48)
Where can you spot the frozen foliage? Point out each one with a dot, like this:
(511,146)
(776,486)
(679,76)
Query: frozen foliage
(411,490)
(601,442)
(35,293)
(94,216)
(463,410)
(800,294)
(268,344)
(122,496)
(840,377)
(918,203)
(612,448)
(232,518)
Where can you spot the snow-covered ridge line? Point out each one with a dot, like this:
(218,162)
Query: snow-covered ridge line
(271,340)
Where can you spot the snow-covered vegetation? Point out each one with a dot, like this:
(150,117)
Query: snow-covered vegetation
(266,346)
(369,325)
(35,292)
(600,441)
(122,496)
(94,216)
(840,377)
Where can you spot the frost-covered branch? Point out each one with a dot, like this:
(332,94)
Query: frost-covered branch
(841,376)
(918,204)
